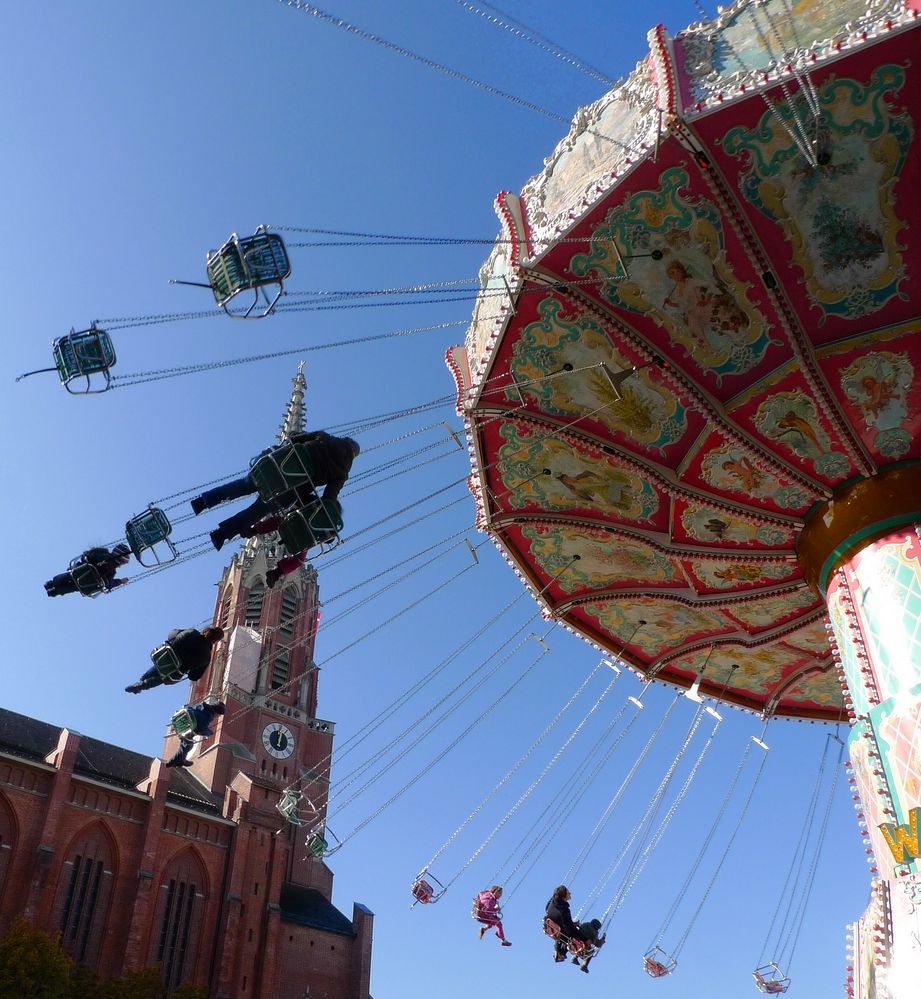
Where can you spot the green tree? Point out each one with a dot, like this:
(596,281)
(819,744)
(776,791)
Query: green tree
(32,964)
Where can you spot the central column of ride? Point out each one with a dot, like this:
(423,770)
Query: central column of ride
(862,551)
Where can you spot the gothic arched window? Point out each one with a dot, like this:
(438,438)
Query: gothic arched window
(177,921)
(254,605)
(84,890)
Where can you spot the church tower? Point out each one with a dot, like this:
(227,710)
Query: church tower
(264,672)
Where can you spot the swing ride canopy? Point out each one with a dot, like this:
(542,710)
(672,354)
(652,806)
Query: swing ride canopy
(744,208)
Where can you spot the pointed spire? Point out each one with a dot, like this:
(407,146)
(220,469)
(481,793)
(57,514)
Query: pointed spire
(295,413)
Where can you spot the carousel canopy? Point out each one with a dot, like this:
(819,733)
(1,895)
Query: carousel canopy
(696,328)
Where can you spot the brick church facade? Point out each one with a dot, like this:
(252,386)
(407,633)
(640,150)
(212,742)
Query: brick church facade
(195,869)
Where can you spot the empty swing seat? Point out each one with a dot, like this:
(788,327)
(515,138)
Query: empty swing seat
(84,354)
(149,532)
(248,263)
(288,805)
(317,845)
(658,964)
(309,526)
(770,980)
(282,469)
(168,664)
(427,888)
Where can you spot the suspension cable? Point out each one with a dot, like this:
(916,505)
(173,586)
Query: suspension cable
(648,814)
(444,752)
(502,20)
(576,867)
(637,866)
(703,898)
(559,808)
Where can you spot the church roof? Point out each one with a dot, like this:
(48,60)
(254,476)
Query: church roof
(309,907)
(32,739)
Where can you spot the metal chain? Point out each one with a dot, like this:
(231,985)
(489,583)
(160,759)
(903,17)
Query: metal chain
(527,34)
(705,845)
(638,868)
(706,895)
(796,929)
(519,763)
(453,744)
(409,289)
(338,22)
(577,865)
(535,783)
(651,807)
(413,727)
(798,854)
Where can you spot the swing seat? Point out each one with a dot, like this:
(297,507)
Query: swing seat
(317,845)
(309,526)
(297,809)
(770,980)
(87,578)
(248,264)
(658,964)
(288,806)
(84,354)
(575,946)
(183,723)
(168,664)
(149,532)
(551,928)
(424,891)
(281,470)
(484,915)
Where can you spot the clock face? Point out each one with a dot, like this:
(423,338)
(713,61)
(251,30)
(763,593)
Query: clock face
(278,740)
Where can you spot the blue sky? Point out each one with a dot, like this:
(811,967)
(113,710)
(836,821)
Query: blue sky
(138,136)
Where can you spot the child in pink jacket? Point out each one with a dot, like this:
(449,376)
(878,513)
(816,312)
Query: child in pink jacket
(486,911)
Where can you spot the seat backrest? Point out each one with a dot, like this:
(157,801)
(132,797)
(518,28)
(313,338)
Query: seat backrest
(551,928)
(422,890)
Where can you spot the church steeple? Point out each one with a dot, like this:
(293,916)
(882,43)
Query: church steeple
(295,414)
(264,668)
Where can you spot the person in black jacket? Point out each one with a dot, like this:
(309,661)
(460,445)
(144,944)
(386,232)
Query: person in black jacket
(105,562)
(558,910)
(192,647)
(332,459)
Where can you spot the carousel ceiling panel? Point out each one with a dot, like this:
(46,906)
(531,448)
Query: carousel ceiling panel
(713,575)
(557,360)
(538,470)
(785,417)
(667,261)
(695,522)
(670,625)
(765,614)
(842,237)
(876,379)
(728,469)
(573,560)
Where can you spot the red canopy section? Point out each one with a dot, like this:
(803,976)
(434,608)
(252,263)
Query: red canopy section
(697,324)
